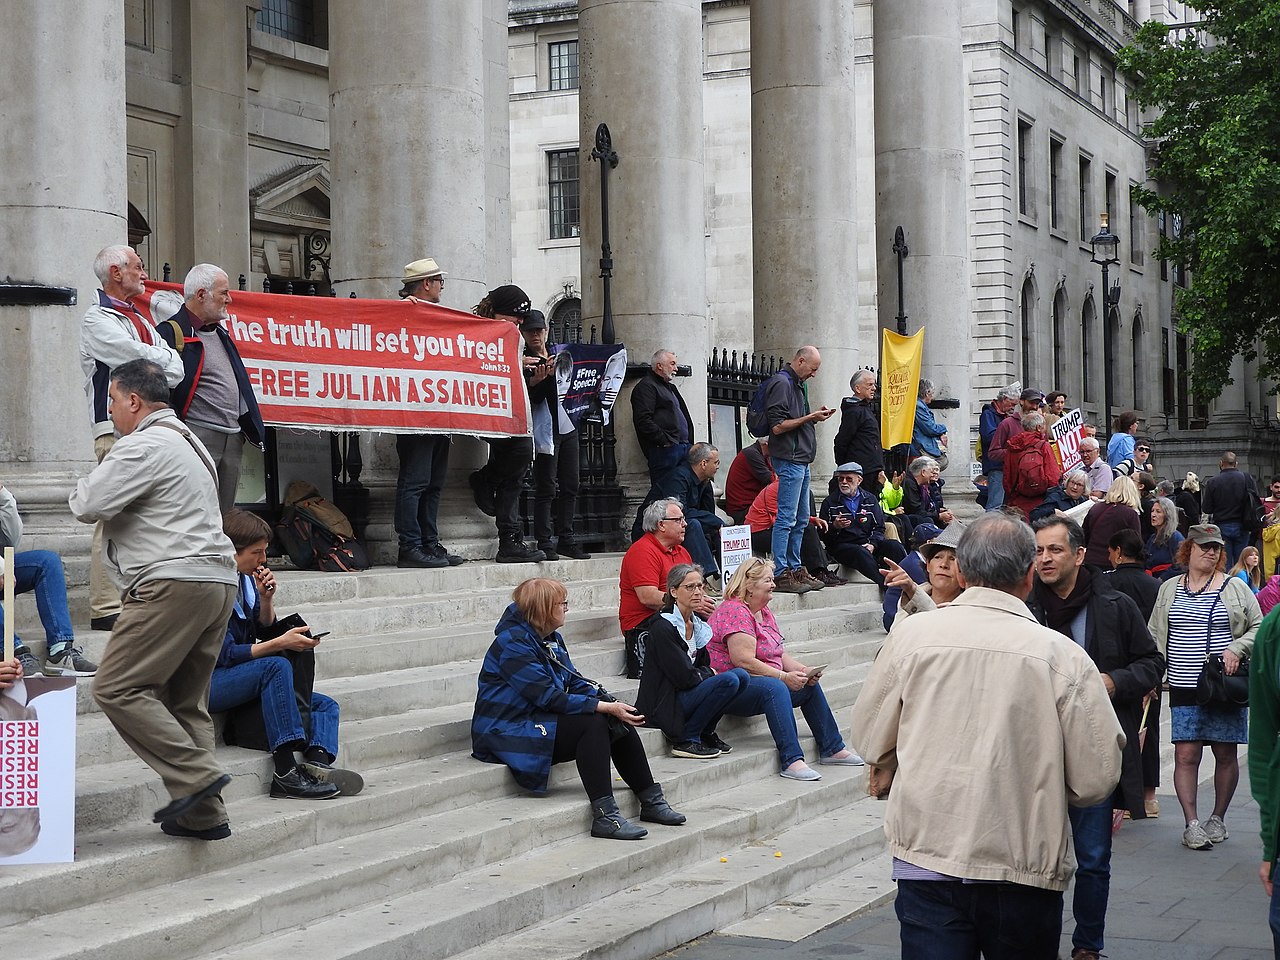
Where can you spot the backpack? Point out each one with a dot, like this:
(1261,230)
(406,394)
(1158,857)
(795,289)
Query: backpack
(316,534)
(1031,478)
(758,413)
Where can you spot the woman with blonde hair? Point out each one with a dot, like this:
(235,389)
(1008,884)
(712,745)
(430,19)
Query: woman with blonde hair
(744,633)
(1249,569)
(533,709)
(1204,613)
(1118,511)
(1188,503)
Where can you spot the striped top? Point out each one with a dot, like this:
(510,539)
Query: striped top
(1199,624)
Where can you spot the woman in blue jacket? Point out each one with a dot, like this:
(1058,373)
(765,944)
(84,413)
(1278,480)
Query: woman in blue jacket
(929,436)
(533,709)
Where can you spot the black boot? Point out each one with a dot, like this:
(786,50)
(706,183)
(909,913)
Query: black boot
(515,550)
(548,549)
(655,809)
(571,550)
(612,825)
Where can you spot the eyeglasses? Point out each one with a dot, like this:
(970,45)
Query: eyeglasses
(693,586)
(439,280)
(1209,547)
(1144,450)
(564,604)
(674,520)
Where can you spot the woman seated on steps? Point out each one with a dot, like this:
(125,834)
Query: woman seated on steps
(533,709)
(269,673)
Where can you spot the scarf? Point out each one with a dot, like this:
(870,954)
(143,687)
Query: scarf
(1059,612)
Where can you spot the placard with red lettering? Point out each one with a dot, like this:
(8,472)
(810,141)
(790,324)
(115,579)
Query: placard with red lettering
(1066,434)
(38,771)
(735,548)
(396,366)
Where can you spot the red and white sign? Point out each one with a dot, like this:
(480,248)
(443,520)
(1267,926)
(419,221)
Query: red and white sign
(38,771)
(1067,434)
(395,366)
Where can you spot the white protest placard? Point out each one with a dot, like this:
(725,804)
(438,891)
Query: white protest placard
(1067,433)
(735,547)
(38,771)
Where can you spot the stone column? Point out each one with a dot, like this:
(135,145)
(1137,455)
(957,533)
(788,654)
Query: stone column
(407,128)
(641,73)
(803,177)
(921,185)
(63,197)
(211,162)
(498,148)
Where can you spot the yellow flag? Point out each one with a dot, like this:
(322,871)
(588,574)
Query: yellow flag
(899,386)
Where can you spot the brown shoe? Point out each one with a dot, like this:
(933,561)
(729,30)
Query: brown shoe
(831,579)
(788,582)
(810,579)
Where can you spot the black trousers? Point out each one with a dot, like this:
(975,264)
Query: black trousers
(584,738)
(509,459)
(868,564)
(555,482)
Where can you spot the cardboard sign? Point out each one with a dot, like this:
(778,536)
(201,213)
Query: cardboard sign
(735,549)
(1066,434)
(38,771)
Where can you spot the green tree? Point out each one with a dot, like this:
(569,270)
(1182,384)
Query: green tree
(1217,90)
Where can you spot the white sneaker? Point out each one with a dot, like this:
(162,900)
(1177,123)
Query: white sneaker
(1195,838)
(1215,829)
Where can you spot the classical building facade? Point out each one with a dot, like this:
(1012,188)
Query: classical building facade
(767,153)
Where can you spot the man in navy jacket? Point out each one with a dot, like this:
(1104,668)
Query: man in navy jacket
(214,399)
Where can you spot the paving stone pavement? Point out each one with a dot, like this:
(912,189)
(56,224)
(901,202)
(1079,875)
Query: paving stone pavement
(1166,902)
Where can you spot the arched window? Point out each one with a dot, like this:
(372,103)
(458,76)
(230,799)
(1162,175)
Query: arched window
(566,321)
(1139,381)
(1086,350)
(1026,305)
(1111,317)
(1059,337)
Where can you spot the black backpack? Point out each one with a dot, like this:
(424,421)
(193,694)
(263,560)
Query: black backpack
(317,535)
(758,413)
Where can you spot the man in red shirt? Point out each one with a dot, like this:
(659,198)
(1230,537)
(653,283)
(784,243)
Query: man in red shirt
(750,472)
(643,579)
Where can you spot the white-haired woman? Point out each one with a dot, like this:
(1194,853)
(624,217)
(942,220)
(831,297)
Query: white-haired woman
(1070,493)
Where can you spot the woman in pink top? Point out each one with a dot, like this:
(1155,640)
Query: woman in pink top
(745,634)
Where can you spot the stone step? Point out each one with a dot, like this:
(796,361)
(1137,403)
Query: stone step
(590,891)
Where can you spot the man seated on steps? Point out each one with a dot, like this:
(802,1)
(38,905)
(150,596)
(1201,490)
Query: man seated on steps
(273,678)
(41,571)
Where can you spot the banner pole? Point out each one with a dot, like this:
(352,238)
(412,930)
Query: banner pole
(8,603)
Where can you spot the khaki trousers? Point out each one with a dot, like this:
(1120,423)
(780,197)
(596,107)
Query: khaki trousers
(104,597)
(153,684)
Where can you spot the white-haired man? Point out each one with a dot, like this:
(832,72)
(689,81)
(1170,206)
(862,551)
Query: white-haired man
(1096,468)
(113,332)
(215,398)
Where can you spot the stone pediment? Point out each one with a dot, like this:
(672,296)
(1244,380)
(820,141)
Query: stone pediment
(295,198)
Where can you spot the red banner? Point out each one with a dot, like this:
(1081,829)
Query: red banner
(330,363)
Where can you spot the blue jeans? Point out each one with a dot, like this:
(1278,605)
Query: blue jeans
(662,460)
(695,541)
(41,571)
(995,489)
(772,697)
(704,705)
(1237,539)
(951,920)
(270,680)
(424,458)
(1091,837)
(793,514)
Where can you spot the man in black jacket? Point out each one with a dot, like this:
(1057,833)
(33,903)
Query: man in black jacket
(1080,604)
(858,438)
(690,483)
(215,398)
(1232,500)
(661,419)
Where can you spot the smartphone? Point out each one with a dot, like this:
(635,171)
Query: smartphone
(320,636)
(815,672)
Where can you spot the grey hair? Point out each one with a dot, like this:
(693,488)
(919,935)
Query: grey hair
(926,386)
(1032,421)
(116,255)
(701,451)
(201,277)
(1164,534)
(859,376)
(1090,442)
(996,551)
(674,578)
(656,512)
(658,355)
(1076,474)
(1012,392)
(1165,488)
(143,377)
(920,464)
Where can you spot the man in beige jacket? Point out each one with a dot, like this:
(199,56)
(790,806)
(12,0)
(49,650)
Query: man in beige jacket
(993,725)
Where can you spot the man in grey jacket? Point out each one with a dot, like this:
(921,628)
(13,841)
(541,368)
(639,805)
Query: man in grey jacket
(156,495)
(114,332)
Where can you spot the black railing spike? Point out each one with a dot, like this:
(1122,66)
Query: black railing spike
(352,295)
(713,361)
(332,292)
(266,284)
(243,281)
(288,288)
(311,289)
(593,333)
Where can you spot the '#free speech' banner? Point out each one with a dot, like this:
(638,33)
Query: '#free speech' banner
(329,363)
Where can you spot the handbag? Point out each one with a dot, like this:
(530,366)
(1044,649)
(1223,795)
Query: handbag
(617,728)
(1215,688)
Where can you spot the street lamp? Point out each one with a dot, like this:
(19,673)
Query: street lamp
(1105,246)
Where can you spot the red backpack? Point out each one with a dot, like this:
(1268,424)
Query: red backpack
(1031,475)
